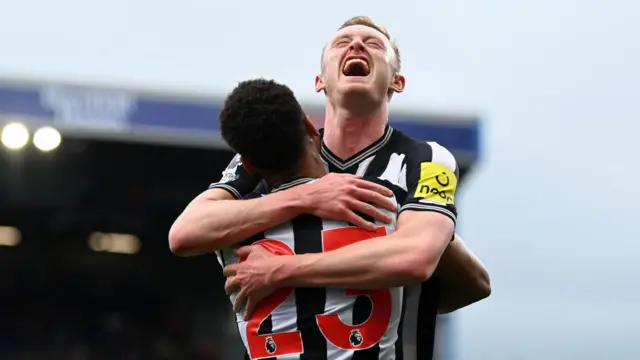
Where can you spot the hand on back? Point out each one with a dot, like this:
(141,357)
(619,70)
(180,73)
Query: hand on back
(340,196)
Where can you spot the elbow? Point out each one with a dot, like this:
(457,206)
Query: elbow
(478,282)
(417,268)
(194,232)
(419,262)
(482,285)
(187,239)
(179,239)
(416,275)
(421,272)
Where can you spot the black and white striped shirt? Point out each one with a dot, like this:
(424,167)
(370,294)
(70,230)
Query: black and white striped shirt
(423,176)
(318,323)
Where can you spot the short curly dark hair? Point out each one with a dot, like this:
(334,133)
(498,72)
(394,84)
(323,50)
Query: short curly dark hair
(263,122)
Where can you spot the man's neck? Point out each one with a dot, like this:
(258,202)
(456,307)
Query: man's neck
(310,168)
(346,133)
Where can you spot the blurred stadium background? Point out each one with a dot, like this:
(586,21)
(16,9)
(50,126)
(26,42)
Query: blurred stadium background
(556,83)
(91,178)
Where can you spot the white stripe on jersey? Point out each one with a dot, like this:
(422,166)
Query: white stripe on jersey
(364,165)
(442,155)
(396,172)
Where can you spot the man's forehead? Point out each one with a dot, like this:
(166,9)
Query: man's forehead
(359,30)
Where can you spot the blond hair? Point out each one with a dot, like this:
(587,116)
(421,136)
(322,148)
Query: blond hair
(368,22)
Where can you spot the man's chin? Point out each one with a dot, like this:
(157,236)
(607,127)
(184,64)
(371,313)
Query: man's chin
(356,88)
(360,96)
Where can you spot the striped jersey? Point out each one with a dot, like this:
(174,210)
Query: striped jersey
(320,323)
(423,177)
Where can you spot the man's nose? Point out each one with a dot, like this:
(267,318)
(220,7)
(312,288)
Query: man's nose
(357,45)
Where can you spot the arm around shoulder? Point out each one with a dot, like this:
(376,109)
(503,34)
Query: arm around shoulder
(214,221)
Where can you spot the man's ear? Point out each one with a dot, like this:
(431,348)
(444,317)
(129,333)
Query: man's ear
(247,166)
(320,86)
(397,86)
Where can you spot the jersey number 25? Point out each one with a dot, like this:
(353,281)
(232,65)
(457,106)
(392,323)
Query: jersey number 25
(332,327)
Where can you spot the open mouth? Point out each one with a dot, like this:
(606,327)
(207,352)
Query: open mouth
(356,67)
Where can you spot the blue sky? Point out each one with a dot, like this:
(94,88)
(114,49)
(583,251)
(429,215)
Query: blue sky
(553,208)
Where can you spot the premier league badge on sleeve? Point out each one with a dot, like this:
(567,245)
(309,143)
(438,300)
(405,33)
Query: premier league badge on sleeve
(231,172)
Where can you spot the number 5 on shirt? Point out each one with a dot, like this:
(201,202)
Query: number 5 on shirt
(373,329)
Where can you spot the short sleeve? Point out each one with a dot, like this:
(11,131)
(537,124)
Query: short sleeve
(432,180)
(236,179)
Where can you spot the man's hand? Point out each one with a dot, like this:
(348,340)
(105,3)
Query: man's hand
(251,277)
(213,221)
(339,196)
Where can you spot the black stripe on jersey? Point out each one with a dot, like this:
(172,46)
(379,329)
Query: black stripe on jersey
(399,342)
(266,328)
(361,311)
(427,314)
(307,230)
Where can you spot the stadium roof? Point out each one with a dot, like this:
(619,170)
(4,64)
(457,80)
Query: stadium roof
(105,112)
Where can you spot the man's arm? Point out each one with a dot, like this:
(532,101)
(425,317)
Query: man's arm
(464,280)
(410,255)
(425,228)
(213,220)
(432,187)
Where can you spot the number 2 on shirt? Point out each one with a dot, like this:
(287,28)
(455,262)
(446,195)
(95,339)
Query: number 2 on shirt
(333,329)
(276,344)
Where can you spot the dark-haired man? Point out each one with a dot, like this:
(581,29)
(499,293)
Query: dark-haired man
(265,124)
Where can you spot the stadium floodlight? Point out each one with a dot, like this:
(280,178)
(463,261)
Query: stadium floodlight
(10,236)
(15,136)
(114,243)
(47,138)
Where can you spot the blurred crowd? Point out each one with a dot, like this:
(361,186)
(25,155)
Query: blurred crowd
(70,316)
